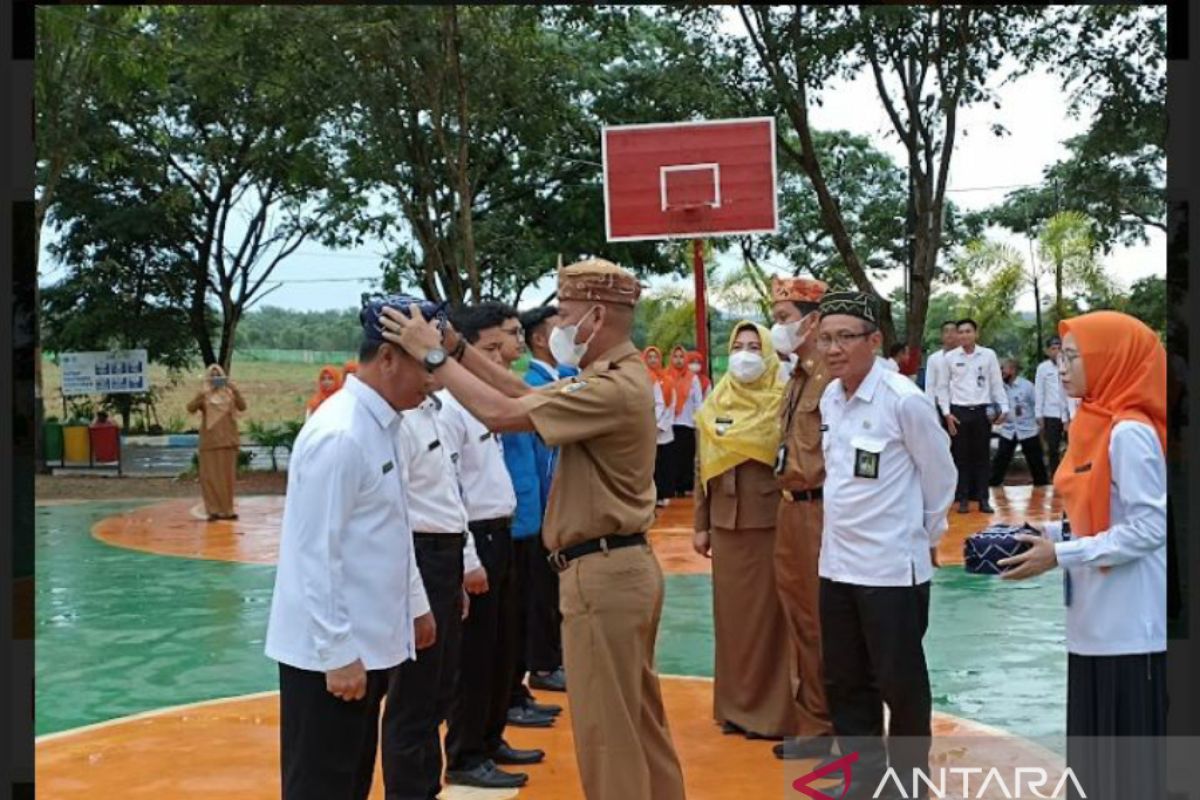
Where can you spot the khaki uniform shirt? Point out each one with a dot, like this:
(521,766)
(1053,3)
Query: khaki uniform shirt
(603,421)
(801,422)
(225,432)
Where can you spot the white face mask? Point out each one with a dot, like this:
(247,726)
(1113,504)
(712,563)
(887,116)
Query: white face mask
(787,365)
(785,337)
(746,366)
(563,346)
(695,368)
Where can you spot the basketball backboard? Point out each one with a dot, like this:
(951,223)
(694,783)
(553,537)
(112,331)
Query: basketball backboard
(683,180)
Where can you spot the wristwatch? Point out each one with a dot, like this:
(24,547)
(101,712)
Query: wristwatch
(435,358)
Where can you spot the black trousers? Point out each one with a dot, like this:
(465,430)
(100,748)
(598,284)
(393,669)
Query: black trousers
(479,710)
(327,745)
(871,645)
(538,620)
(1052,430)
(1032,448)
(663,474)
(683,461)
(419,696)
(971,449)
(1117,725)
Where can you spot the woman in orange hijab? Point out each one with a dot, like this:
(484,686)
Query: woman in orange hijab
(689,395)
(696,365)
(1112,547)
(327,383)
(664,415)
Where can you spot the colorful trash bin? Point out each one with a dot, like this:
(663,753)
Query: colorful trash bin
(52,441)
(76,444)
(106,445)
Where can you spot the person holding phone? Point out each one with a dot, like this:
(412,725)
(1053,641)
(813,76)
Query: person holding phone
(218,403)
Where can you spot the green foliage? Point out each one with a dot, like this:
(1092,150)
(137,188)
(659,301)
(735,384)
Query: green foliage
(274,437)
(1147,301)
(275,328)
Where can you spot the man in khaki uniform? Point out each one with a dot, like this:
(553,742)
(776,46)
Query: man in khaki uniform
(601,505)
(801,475)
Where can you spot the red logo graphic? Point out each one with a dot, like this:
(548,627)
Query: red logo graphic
(841,765)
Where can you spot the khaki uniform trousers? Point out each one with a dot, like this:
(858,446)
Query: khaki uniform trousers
(611,605)
(797,551)
(218,472)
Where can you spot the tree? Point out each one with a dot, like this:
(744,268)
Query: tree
(1068,248)
(1148,302)
(221,127)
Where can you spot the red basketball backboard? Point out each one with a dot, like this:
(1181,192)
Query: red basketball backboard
(683,180)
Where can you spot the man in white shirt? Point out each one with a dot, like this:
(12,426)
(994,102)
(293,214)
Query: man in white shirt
(1020,427)
(970,383)
(479,713)
(1050,403)
(935,366)
(347,589)
(421,691)
(889,482)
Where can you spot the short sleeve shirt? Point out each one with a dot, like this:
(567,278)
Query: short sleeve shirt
(603,421)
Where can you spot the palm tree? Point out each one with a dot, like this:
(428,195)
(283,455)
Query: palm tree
(1067,244)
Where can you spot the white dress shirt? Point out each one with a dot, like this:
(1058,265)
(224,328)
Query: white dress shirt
(972,379)
(687,415)
(487,487)
(1122,611)
(1020,424)
(935,365)
(435,497)
(878,531)
(890,364)
(1050,400)
(347,586)
(664,417)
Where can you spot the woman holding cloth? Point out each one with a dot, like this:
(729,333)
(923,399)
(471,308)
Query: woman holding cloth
(218,404)
(664,415)
(1112,547)
(737,500)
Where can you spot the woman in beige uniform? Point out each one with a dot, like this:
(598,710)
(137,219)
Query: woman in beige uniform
(737,501)
(218,404)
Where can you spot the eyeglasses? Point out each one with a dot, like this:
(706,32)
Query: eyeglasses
(1067,357)
(517,331)
(843,339)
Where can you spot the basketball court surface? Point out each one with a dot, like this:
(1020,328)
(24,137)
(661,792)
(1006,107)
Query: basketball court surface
(151,681)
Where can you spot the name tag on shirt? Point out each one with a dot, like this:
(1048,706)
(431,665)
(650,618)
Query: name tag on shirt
(486,436)
(388,467)
(434,445)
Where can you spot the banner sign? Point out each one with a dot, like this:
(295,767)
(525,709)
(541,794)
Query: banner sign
(112,372)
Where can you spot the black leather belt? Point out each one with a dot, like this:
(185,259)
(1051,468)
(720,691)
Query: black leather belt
(801,497)
(447,540)
(559,559)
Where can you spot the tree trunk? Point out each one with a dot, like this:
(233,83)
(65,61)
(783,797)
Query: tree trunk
(1059,310)
(1037,306)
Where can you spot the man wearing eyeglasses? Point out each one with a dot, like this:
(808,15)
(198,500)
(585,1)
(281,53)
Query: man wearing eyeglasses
(970,383)
(889,481)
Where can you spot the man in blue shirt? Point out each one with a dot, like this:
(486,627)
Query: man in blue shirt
(1021,425)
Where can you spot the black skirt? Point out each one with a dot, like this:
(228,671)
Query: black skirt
(1116,725)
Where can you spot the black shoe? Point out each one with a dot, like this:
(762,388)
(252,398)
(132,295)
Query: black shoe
(963,508)
(506,754)
(525,718)
(545,709)
(985,508)
(553,682)
(796,748)
(487,776)
(728,728)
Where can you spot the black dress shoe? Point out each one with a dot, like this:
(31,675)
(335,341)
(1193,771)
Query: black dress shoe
(963,508)
(487,776)
(729,728)
(525,718)
(545,709)
(985,508)
(506,754)
(552,682)
(793,749)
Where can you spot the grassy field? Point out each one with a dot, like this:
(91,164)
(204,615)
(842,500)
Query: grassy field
(274,392)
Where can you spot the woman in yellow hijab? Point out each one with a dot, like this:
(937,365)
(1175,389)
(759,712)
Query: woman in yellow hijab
(737,498)
(218,403)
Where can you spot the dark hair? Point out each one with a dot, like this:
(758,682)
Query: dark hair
(368,350)
(471,321)
(949,322)
(968,321)
(805,307)
(102,416)
(895,349)
(532,319)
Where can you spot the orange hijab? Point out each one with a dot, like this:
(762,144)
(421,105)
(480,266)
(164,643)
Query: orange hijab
(1126,368)
(660,375)
(322,394)
(350,368)
(696,357)
(680,378)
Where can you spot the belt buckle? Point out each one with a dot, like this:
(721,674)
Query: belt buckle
(558,562)
(787,495)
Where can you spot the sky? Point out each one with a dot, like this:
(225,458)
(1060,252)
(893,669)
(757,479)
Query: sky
(983,168)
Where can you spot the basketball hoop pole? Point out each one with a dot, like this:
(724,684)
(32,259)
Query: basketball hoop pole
(701,305)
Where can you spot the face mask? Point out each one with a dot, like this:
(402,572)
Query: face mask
(785,337)
(563,347)
(695,368)
(746,366)
(786,367)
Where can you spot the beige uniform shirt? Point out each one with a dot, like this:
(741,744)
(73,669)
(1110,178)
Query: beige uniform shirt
(603,421)
(225,432)
(801,421)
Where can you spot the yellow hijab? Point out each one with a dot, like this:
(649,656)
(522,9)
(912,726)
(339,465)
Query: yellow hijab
(740,421)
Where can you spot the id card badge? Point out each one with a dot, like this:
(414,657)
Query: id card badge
(866,464)
(781,459)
